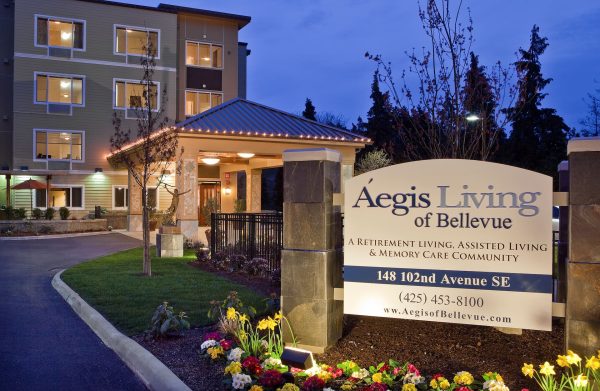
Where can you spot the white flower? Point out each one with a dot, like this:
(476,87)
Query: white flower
(209,343)
(264,344)
(240,381)
(271,362)
(411,377)
(360,374)
(315,370)
(494,385)
(235,354)
(328,389)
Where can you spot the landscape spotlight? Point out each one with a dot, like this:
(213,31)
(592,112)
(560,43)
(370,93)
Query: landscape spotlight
(98,170)
(297,358)
(472,117)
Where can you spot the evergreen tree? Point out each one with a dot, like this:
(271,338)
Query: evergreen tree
(538,138)
(381,126)
(309,110)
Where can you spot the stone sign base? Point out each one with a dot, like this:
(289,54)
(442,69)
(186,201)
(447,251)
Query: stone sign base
(169,242)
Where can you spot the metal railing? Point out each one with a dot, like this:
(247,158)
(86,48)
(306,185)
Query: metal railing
(252,235)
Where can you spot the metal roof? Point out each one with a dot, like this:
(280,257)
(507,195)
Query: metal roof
(246,118)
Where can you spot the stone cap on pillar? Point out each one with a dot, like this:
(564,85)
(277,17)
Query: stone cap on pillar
(583,144)
(563,166)
(311,154)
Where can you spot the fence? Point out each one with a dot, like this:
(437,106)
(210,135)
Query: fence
(253,235)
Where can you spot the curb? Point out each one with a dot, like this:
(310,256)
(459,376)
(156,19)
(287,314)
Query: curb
(154,374)
(57,236)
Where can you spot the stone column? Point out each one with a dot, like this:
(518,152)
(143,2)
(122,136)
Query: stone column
(583,271)
(134,215)
(311,264)
(8,177)
(187,210)
(253,190)
(563,233)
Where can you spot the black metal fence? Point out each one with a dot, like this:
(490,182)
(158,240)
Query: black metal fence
(253,235)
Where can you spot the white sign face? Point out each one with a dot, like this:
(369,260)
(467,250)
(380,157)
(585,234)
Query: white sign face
(457,241)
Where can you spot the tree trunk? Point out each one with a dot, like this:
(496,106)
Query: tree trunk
(146,235)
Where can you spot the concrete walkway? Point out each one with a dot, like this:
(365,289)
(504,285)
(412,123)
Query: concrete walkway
(44,345)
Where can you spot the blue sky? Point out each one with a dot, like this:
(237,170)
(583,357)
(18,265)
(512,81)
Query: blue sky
(316,48)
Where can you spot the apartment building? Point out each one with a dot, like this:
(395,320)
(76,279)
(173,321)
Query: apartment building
(68,65)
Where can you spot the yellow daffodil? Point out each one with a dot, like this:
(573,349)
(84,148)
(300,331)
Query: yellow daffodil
(242,335)
(580,381)
(256,388)
(231,313)
(572,357)
(243,318)
(528,370)
(409,387)
(262,324)
(234,368)
(278,316)
(562,361)
(433,384)
(593,363)
(377,378)
(444,384)
(547,369)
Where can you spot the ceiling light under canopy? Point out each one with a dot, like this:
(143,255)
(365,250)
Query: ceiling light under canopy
(211,161)
(245,155)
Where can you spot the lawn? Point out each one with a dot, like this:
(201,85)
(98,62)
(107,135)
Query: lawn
(115,287)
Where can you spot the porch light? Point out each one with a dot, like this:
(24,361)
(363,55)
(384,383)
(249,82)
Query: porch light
(211,161)
(245,155)
(227,191)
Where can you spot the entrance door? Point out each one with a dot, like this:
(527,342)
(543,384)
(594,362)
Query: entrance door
(208,191)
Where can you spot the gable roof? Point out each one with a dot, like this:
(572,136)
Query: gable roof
(246,118)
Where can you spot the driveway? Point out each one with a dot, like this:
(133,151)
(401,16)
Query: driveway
(43,343)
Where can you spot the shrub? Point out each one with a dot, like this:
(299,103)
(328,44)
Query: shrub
(7,212)
(20,213)
(202,254)
(44,229)
(220,260)
(166,323)
(373,160)
(237,262)
(64,212)
(276,276)
(37,214)
(256,267)
(231,301)
(49,214)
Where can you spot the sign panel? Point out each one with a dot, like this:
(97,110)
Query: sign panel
(448,240)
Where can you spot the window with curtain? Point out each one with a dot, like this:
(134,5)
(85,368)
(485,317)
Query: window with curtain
(59,33)
(59,89)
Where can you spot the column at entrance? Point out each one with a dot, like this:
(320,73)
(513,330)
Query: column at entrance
(134,214)
(187,187)
(253,190)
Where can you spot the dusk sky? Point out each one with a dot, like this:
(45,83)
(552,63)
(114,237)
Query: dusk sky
(316,48)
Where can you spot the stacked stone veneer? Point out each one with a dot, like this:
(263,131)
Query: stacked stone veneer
(311,264)
(583,270)
(56,226)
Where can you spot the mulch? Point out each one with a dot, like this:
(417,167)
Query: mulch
(432,347)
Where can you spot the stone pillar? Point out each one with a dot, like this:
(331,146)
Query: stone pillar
(187,210)
(8,177)
(311,264)
(134,215)
(583,270)
(563,234)
(253,190)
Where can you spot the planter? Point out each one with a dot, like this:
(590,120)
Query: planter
(170,230)
(168,244)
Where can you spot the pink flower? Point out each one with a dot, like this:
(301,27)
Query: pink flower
(396,371)
(213,335)
(437,376)
(413,369)
(226,344)
(464,388)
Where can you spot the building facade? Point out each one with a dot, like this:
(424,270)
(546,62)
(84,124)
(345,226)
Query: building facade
(70,64)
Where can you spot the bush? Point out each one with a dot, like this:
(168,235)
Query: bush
(165,323)
(372,160)
(20,214)
(49,214)
(221,261)
(256,267)
(202,254)
(7,212)
(64,212)
(37,214)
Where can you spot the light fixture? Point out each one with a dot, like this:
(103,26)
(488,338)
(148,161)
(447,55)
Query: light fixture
(472,117)
(245,155)
(227,191)
(211,161)
(65,83)
(297,358)
(65,35)
(205,58)
(98,170)
(65,95)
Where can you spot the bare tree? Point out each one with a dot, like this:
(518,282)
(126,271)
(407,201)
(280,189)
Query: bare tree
(440,122)
(591,123)
(153,150)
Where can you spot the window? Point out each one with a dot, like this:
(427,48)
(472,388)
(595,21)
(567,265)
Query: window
(62,89)
(59,196)
(58,145)
(203,55)
(59,32)
(132,95)
(135,40)
(196,101)
(120,197)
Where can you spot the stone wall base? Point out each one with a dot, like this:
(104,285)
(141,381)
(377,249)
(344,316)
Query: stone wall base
(134,223)
(169,245)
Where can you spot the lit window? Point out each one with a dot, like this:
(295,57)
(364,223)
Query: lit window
(58,145)
(59,33)
(120,197)
(59,89)
(135,41)
(197,102)
(59,196)
(204,55)
(132,95)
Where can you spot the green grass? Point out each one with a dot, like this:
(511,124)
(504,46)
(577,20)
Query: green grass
(114,286)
